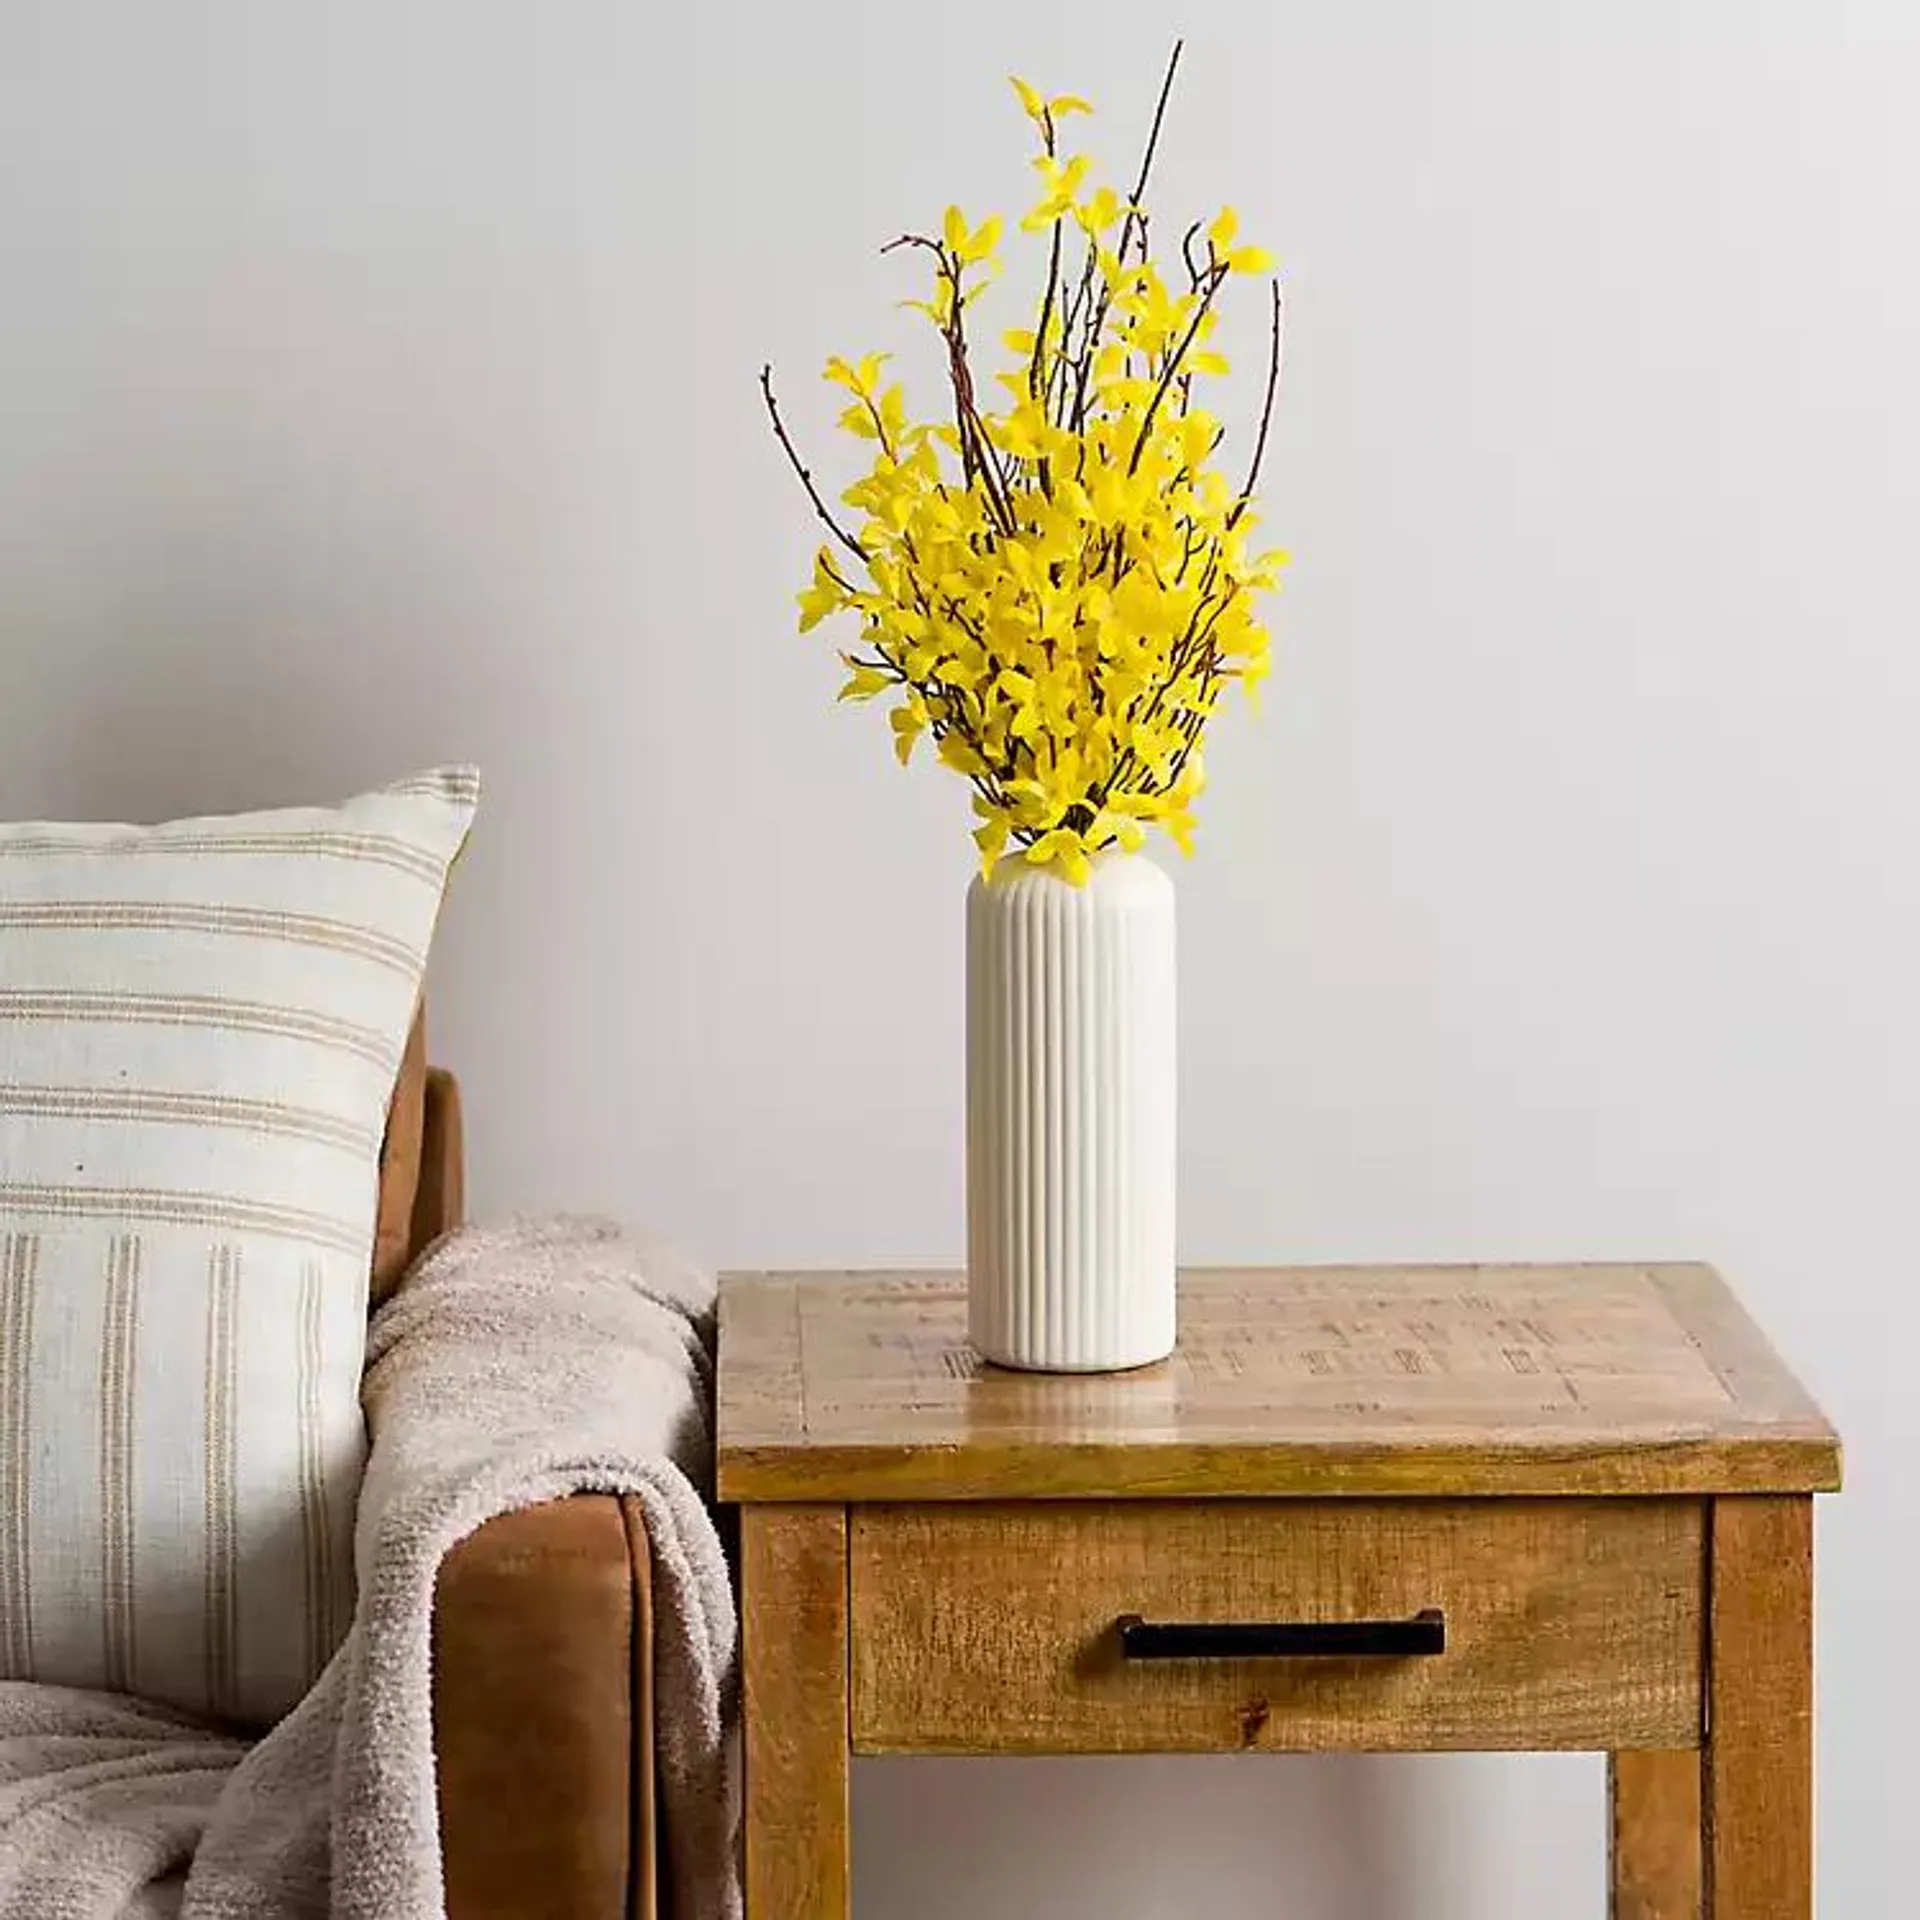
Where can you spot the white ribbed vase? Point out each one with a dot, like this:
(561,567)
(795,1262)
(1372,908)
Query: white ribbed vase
(1070,1116)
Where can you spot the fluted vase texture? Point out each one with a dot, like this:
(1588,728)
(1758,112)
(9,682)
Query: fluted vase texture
(1070,1116)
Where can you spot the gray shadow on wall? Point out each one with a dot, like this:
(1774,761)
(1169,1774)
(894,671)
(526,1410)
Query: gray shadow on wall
(1226,1837)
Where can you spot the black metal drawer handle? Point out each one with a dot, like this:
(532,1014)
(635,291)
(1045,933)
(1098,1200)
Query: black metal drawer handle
(1419,1638)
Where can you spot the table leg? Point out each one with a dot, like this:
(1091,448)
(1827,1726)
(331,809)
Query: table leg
(1653,1832)
(1757,1830)
(793,1577)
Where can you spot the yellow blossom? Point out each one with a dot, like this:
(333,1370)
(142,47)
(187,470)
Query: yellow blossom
(1056,591)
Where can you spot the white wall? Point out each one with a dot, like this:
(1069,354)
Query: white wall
(377,383)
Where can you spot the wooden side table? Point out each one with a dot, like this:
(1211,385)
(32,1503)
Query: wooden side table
(1382,1509)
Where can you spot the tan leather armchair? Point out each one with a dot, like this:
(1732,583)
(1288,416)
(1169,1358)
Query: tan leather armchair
(542,1636)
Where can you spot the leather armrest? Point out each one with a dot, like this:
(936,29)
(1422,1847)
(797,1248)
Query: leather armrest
(400,1146)
(542,1703)
(440,1198)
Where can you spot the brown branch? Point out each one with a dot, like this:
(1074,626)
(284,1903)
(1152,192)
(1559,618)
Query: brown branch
(1194,724)
(1046,313)
(958,374)
(879,426)
(1214,282)
(976,452)
(1153,141)
(1057,374)
(955,720)
(1201,626)
(967,411)
(1080,307)
(833,526)
(1266,410)
(1034,389)
(1098,321)
(1186,253)
(990,785)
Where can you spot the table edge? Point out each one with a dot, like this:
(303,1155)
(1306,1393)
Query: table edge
(1806,1462)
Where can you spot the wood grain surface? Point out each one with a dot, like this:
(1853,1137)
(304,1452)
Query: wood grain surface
(793,1578)
(990,1628)
(1759,1771)
(1653,1834)
(1440,1381)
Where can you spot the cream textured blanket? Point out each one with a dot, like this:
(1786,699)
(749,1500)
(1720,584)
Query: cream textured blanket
(518,1364)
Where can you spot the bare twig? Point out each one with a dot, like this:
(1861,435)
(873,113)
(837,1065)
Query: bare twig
(833,526)
(1186,253)
(1266,409)
(1153,141)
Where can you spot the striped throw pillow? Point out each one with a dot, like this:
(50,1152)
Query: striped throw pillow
(200,1025)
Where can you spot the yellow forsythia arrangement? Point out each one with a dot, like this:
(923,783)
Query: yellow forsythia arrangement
(1055,591)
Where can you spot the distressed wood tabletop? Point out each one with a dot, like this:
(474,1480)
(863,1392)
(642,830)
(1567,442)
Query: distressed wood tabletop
(1291,1382)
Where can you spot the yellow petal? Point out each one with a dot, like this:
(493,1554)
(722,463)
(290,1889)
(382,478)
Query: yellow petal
(865,682)
(982,241)
(1062,850)
(991,839)
(907,726)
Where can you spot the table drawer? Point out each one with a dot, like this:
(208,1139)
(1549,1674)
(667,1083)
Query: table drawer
(1568,1624)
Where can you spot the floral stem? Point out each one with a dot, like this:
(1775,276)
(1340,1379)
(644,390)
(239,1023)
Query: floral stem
(1134,218)
(833,526)
(1215,278)
(1153,141)
(1266,409)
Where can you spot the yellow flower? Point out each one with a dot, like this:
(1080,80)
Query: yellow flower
(1040,111)
(970,247)
(858,380)
(866,681)
(1220,238)
(1056,591)
(1064,179)
(1065,850)
(825,596)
